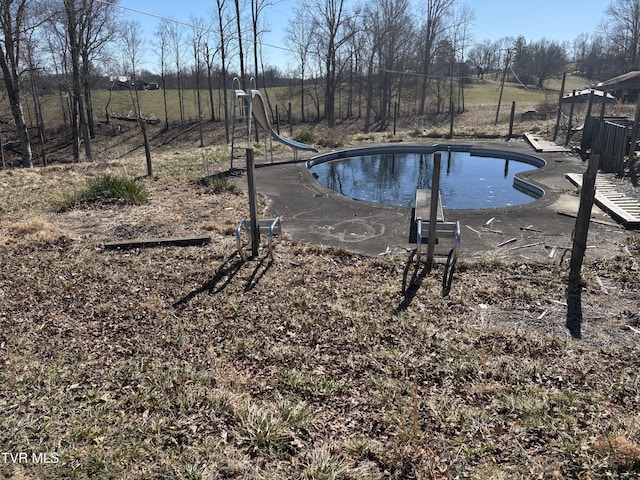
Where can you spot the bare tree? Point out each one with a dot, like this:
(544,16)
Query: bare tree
(396,34)
(13,24)
(32,59)
(176,45)
(257,7)
(209,59)
(74,29)
(372,48)
(132,51)
(622,29)
(435,23)
(299,35)
(358,55)
(462,20)
(332,32)
(197,42)
(547,58)
(97,27)
(484,57)
(243,78)
(58,54)
(162,33)
(223,27)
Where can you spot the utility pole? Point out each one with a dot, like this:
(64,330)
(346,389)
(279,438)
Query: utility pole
(504,76)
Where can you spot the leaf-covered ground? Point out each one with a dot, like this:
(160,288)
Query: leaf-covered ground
(188,363)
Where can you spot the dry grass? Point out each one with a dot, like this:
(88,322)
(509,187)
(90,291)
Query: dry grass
(187,363)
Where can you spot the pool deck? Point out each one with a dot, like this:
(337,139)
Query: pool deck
(540,230)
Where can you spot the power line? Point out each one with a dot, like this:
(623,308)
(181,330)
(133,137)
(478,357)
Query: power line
(148,14)
(185,24)
(422,75)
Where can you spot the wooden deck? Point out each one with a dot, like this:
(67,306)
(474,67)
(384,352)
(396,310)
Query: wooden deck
(622,208)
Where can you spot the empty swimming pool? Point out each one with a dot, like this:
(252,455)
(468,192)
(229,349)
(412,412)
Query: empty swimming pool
(470,178)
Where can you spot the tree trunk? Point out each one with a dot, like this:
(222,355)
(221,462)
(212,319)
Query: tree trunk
(369,100)
(164,99)
(330,95)
(12,86)
(243,79)
(302,90)
(210,86)
(22,130)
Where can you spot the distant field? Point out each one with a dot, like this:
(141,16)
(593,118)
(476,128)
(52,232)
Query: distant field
(481,92)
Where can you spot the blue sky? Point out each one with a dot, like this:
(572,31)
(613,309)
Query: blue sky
(561,20)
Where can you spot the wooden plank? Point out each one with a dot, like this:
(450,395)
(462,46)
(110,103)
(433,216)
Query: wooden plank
(539,144)
(423,205)
(158,242)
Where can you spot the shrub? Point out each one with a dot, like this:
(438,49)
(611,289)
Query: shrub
(219,184)
(305,136)
(106,189)
(332,138)
(548,107)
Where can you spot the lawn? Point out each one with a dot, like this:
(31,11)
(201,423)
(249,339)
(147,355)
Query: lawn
(185,362)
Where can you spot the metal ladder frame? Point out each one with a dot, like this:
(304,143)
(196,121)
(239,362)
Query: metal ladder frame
(242,109)
(240,120)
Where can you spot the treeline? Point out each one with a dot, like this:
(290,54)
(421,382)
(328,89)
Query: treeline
(375,52)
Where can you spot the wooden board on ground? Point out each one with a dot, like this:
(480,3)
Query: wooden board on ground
(158,242)
(624,209)
(541,145)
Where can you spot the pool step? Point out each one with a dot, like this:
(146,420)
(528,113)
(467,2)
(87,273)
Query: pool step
(622,208)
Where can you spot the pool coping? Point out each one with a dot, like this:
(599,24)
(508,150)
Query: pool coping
(539,230)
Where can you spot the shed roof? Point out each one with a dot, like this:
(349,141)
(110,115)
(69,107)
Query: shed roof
(626,81)
(583,96)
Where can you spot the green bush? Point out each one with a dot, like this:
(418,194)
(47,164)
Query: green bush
(219,184)
(106,189)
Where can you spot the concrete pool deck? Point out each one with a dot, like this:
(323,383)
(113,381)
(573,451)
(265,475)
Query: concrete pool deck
(540,230)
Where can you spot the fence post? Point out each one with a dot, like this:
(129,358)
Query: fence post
(513,112)
(395,116)
(634,133)
(555,131)
(573,102)
(253,205)
(574,286)
(583,141)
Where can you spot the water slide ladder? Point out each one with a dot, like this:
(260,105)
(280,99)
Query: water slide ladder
(240,121)
(250,106)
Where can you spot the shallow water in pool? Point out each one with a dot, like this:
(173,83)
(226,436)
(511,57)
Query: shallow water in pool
(466,181)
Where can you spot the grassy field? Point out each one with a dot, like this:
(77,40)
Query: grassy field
(188,363)
(480,93)
(477,120)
